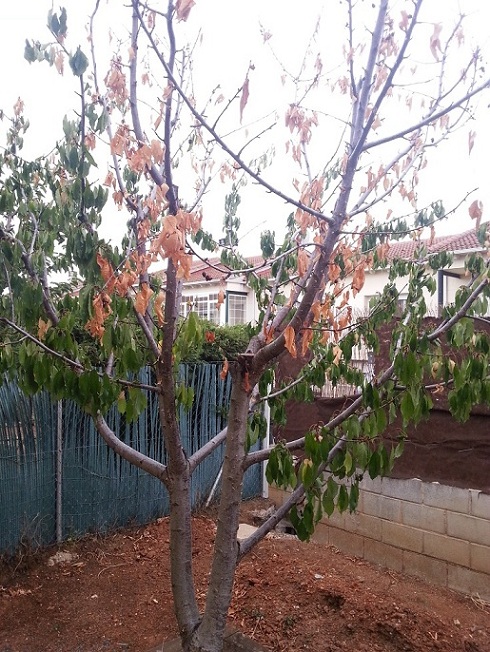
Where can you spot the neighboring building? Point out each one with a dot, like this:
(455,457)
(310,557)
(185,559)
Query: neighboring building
(208,278)
(460,245)
(201,292)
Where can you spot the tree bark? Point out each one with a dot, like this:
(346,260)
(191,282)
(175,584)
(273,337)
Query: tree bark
(209,636)
(178,481)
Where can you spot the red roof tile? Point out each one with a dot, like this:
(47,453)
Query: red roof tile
(458,242)
(212,269)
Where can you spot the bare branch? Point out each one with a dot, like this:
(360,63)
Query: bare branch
(206,450)
(231,153)
(151,466)
(427,121)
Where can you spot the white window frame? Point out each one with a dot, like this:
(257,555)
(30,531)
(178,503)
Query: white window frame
(231,310)
(202,304)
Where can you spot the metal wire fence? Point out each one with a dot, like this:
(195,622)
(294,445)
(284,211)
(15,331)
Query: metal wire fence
(59,479)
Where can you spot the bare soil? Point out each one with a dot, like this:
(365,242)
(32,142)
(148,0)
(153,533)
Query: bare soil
(114,595)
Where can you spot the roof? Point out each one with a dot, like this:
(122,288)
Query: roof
(466,241)
(212,269)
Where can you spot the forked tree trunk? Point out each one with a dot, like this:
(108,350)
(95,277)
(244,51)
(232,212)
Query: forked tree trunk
(208,637)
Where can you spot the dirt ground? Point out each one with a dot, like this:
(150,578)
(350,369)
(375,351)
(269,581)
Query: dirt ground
(114,595)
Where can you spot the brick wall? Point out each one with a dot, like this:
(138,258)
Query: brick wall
(437,532)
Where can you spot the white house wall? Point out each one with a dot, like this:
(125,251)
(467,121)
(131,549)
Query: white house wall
(214,287)
(376,281)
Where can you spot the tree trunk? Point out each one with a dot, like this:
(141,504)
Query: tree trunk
(183,589)
(209,636)
(178,482)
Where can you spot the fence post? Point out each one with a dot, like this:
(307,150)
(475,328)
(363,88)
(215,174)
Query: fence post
(59,474)
(265,444)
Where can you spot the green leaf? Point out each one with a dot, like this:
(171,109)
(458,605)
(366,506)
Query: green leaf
(374,465)
(136,403)
(267,243)
(343,499)
(57,25)
(122,404)
(399,449)
(29,52)
(298,524)
(348,463)
(354,497)
(407,408)
(307,472)
(361,454)
(272,468)
(328,504)
(329,496)
(308,519)
(381,420)
(73,159)
(131,360)
(78,63)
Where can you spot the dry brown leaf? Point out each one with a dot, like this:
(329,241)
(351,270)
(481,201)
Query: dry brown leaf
(306,341)
(337,355)
(89,140)
(432,235)
(268,333)
(184,266)
(159,303)
(471,140)
(157,151)
(403,24)
(140,160)
(435,41)
(382,250)
(221,300)
(244,97)
(101,305)
(42,328)
(115,81)
(476,211)
(289,341)
(143,298)
(183,8)
(19,107)
(125,281)
(333,272)
(107,273)
(302,263)
(59,62)
(358,279)
(109,181)
(224,370)
(120,140)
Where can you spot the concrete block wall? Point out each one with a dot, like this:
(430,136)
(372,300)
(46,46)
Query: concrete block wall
(436,532)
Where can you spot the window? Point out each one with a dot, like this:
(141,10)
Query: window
(203,304)
(236,308)
(186,304)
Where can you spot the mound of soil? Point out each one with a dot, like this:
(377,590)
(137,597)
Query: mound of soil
(113,594)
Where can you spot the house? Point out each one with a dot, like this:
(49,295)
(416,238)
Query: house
(460,246)
(210,277)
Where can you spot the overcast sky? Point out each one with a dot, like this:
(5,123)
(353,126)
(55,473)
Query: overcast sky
(232,39)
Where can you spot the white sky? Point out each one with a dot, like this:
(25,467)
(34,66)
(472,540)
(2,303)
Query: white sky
(231,40)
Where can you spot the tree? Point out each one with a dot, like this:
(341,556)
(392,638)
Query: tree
(85,337)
